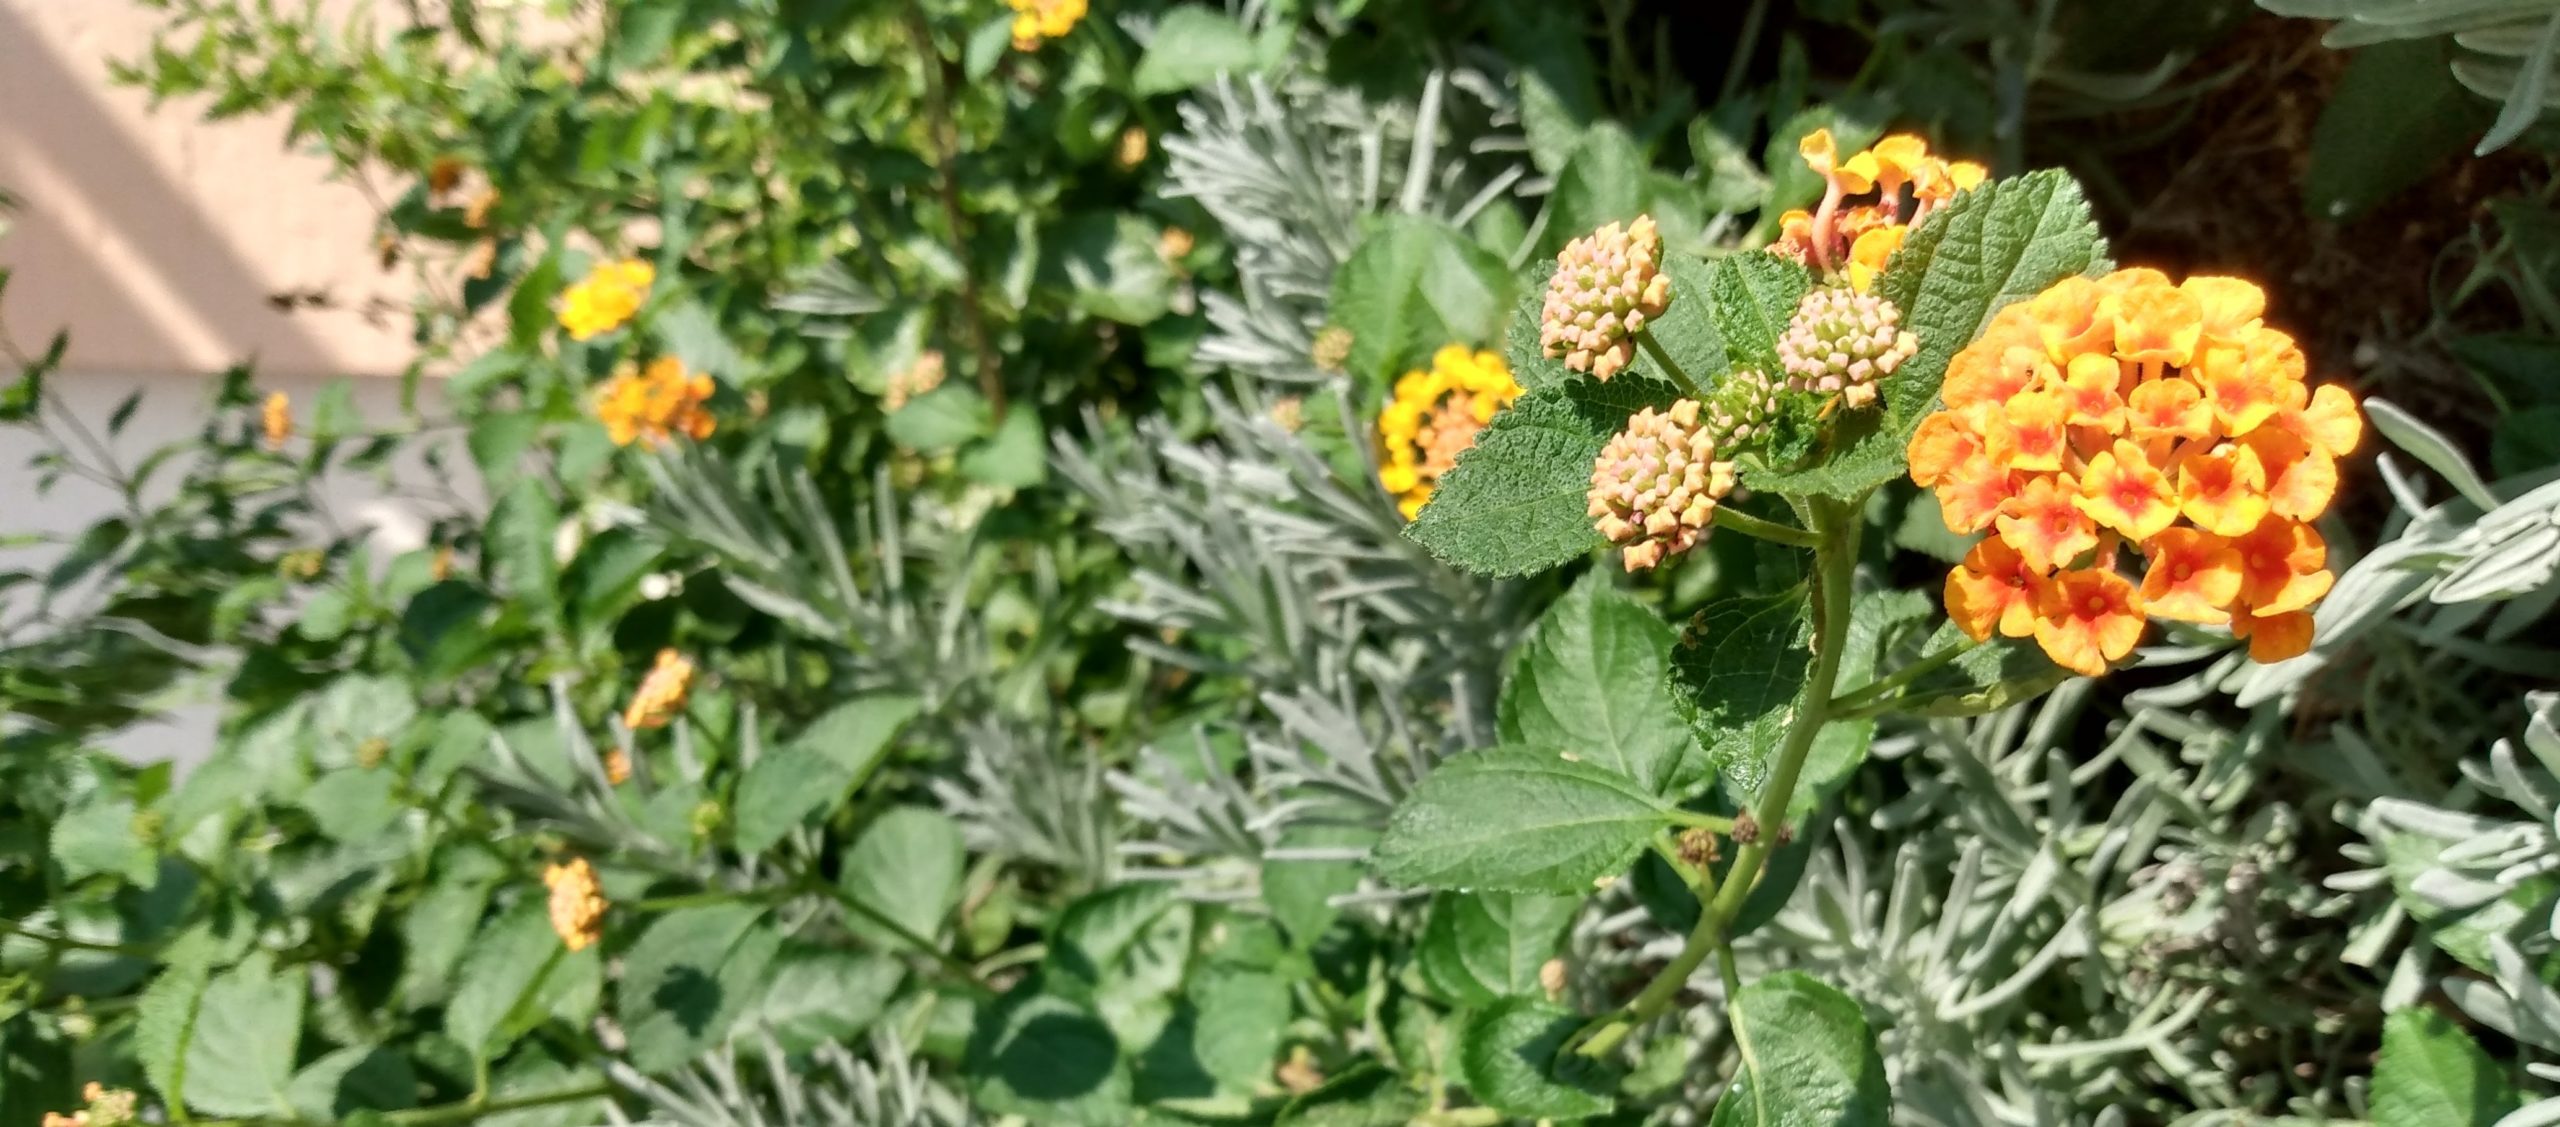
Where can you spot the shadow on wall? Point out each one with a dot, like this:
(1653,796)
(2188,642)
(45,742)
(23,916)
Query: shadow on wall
(107,243)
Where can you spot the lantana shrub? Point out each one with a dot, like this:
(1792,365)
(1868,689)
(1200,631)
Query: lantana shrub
(2125,446)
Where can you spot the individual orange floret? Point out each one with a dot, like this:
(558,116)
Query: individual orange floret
(1975,492)
(2155,324)
(2089,389)
(2193,577)
(2301,479)
(2045,524)
(1991,375)
(2283,566)
(2274,637)
(2241,394)
(2066,319)
(2223,490)
(2227,308)
(1944,441)
(2169,408)
(1994,588)
(2088,618)
(2032,432)
(2121,491)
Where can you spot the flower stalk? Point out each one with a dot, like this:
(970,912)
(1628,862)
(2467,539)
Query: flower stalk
(1835,549)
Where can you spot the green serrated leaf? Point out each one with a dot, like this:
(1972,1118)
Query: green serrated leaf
(1482,947)
(1241,1018)
(239,1059)
(835,754)
(1193,45)
(2432,1074)
(1808,1059)
(97,837)
(906,866)
(688,978)
(1737,672)
(354,1079)
(1049,1060)
(1412,286)
(1517,503)
(1365,1096)
(164,1022)
(1727,314)
(1300,892)
(1507,1057)
(941,419)
(519,539)
(503,966)
(1589,678)
(821,994)
(2002,242)
(1520,820)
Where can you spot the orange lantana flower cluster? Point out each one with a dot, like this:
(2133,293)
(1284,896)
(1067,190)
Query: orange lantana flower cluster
(655,404)
(2130,412)
(1860,237)
(577,903)
(661,694)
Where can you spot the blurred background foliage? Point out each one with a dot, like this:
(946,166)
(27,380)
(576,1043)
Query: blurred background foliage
(1045,713)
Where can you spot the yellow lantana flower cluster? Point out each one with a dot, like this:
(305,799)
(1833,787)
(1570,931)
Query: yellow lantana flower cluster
(577,903)
(661,694)
(1434,418)
(2130,412)
(1036,21)
(606,299)
(1857,239)
(655,404)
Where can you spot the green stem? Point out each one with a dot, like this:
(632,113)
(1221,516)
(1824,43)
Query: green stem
(922,946)
(59,942)
(714,896)
(462,1112)
(1852,704)
(1670,367)
(1735,519)
(1836,529)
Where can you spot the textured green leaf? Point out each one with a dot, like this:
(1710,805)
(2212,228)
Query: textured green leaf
(2432,1074)
(239,1060)
(438,927)
(1531,367)
(1481,947)
(1737,672)
(500,969)
(941,419)
(519,539)
(1518,502)
(2396,116)
(821,994)
(352,1079)
(1589,678)
(689,978)
(1364,1096)
(1999,243)
(1413,286)
(1727,314)
(1049,1060)
(816,770)
(906,866)
(1299,892)
(1507,1057)
(165,1020)
(97,837)
(1193,45)
(1240,1020)
(1808,1059)
(1517,819)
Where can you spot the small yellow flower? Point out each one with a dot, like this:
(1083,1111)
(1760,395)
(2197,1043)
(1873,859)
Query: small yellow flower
(1036,21)
(1175,244)
(606,299)
(577,903)
(654,405)
(661,694)
(276,419)
(1133,146)
(107,1107)
(1434,418)
(617,766)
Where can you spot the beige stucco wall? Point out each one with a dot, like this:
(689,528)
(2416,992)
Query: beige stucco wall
(158,239)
